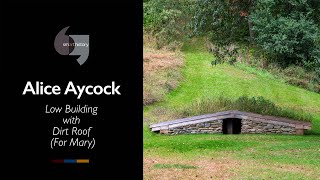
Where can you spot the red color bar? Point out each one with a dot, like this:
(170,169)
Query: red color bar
(57,161)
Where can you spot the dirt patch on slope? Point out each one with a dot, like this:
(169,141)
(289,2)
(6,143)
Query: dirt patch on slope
(161,73)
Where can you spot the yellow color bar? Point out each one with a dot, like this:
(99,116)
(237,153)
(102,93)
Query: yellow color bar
(82,160)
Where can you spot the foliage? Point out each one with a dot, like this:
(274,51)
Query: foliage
(223,53)
(222,21)
(296,75)
(167,20)
(287,32)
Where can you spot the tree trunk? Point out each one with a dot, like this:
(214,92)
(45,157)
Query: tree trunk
(250,31)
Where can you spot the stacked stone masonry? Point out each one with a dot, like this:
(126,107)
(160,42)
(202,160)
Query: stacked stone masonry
(228,122)
(248,127)
(200,128)
(256,127)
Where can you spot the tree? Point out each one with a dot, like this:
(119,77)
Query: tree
(224,21)
(286,31)
(167,20)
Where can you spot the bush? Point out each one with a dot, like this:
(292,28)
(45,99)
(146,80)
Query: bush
(286,31)
(298,76)
(166,20)
(294,71)
(224,22)
(298,82)
(232,60)
(317,88)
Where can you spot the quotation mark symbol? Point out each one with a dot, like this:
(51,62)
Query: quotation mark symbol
(74,45)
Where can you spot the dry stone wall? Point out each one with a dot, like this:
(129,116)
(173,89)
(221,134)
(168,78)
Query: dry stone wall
(206,127)
(248,127)
(256,127)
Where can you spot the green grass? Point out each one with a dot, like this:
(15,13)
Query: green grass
(267,148)
(202,80)
(258,105)
(255,71)
(264,156)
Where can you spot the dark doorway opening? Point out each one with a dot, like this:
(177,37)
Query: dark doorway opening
(231,126)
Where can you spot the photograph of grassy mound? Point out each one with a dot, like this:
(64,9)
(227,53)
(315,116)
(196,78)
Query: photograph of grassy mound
(260,57)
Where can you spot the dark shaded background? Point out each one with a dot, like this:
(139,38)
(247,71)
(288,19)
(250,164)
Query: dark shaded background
(27,54)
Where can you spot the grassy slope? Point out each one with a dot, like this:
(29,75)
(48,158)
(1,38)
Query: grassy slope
(288,156)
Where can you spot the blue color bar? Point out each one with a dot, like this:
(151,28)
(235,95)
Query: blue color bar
(70,161)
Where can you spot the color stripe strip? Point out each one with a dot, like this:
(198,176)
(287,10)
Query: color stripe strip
(70,161)
(82,160)
(58,161)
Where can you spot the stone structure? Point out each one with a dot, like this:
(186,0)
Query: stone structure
(249,126)
(232,122)
(205,127)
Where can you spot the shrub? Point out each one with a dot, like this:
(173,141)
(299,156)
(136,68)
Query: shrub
(298,82)
(317,88)
(232,60)
(294,71)
(286,31)
(224,22)
(298,76)
(167,20)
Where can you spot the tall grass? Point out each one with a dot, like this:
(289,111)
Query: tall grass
(161,73)
(258,105)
